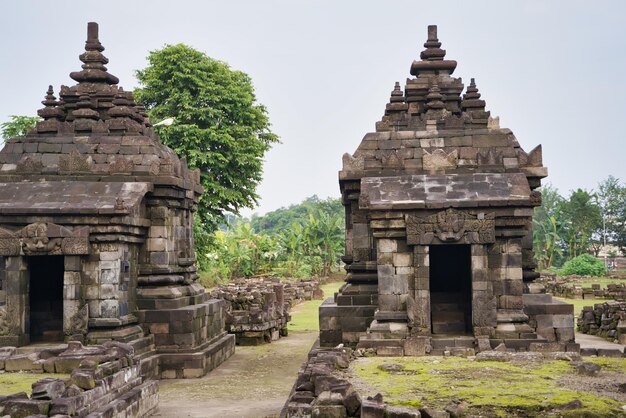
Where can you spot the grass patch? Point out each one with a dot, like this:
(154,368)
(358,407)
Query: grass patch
(304,317)
(11,383)
(492,388)
(602,281)
(579,304)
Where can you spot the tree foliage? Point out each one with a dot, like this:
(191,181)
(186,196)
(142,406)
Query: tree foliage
(565,228)
(310,243)
(18,126)
(218,125)
(583,265)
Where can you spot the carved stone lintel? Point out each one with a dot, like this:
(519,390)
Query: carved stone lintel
(44,239)
(75,246)
(451,226)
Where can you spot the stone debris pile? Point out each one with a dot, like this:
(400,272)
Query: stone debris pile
(104,381)
(567,287)
(257,310)
(607,320)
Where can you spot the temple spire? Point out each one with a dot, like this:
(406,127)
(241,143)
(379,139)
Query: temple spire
(94,70)
(432,58)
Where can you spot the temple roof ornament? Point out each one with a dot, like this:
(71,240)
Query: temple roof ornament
(93,70)
(432,57)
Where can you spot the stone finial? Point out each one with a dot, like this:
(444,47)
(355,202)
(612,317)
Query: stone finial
(432,58)
(433,51)
(94,70)
(434,98)
(471,99)
(51,109)
(397,95)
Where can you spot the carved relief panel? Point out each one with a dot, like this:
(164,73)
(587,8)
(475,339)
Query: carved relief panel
(451,226)
(44,239)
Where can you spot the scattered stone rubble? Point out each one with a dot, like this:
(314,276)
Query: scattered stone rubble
(607,320)
(105,381)
(566,287)
(257,309)
(320,393)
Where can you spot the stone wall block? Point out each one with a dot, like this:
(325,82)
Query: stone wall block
(387,245)
(402,259)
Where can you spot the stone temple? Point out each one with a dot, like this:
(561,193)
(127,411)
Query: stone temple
(438,205)
(96,221)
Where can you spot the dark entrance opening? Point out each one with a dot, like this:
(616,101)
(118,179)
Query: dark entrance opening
(451,289)
(46,298)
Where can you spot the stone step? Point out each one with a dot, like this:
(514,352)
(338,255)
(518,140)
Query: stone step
(374,335)
(448,327)
(449,342)
(448,316)
(373,343)
(445,307)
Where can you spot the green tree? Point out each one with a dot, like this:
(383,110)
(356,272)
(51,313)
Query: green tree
(218,125)
(583,219)
(611,198)
(18,126)
(547,227)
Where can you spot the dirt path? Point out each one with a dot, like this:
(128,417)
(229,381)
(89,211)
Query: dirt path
(254,382)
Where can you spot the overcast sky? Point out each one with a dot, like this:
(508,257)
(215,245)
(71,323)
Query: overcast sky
(553,71)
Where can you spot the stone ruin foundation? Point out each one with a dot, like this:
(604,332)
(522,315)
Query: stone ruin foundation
(438,203)
(96,234)
(105,381)
(257,310)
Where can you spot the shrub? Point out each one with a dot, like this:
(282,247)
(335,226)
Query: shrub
(583,265)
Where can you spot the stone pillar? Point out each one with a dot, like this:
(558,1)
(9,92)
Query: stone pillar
(395,267)
(505,267)
(15,312)
(419,306)
(75,309)
(484,312)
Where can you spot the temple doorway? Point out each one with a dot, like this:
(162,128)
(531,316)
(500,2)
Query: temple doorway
(46,298)
(451,289)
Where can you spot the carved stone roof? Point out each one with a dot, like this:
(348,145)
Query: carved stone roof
(441,191)
(430,128)
(95,131)
(84,197)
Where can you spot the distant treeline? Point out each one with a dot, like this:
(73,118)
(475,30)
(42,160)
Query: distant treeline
(582,222)
(301,240)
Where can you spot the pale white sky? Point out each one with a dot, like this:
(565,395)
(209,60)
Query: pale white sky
(554,71)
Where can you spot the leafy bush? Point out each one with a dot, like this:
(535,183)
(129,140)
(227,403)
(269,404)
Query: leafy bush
(583,265)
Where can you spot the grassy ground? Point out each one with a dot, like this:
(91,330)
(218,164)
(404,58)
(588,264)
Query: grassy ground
(304,317)
(11,383)
(502,389)
(580,303)
(602,281)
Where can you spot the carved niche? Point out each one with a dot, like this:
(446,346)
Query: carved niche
(451,226)
(44,239)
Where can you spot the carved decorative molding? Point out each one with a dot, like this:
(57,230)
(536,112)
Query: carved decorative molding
(451,225)
(77,323)
(75,162)
(439,160)
(8,320)
(44,239)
